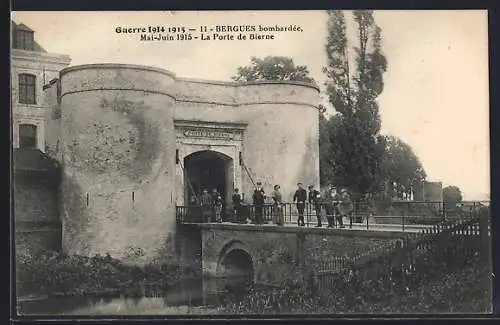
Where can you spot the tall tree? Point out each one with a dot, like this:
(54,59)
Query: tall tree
(452,194)
(327,128)
(359,147)
(401,169)
(272,68)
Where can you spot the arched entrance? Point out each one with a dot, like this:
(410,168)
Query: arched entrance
(209,170)
(235,269)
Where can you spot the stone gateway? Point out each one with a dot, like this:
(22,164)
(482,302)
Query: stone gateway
(134,142)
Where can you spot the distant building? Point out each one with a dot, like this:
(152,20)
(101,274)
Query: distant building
(429,191)
(32,68)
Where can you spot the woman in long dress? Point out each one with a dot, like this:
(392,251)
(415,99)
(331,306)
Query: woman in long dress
(278,206)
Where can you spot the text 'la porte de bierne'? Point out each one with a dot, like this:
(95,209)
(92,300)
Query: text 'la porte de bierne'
(207,33)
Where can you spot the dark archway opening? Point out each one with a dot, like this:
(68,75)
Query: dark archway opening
(207,170)
(27,136)
(236,273)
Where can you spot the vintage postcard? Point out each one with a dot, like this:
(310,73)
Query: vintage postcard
(251,162)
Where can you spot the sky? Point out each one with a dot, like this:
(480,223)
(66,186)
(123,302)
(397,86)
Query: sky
(436,95)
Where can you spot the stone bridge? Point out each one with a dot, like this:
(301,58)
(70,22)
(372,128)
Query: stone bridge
(270,253)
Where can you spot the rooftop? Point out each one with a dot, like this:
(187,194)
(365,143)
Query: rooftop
(36,47)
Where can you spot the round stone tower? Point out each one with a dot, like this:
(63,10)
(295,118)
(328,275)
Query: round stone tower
(281,143)
(117,144)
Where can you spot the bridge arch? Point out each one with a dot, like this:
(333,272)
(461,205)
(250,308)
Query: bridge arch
(235,259)
(235,268)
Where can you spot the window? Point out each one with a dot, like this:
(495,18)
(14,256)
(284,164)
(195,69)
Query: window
(27,136)
(24,40)
(27,89)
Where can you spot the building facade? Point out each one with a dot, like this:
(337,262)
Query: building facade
(36,176)
(429,191)
(134,142)
(31,68)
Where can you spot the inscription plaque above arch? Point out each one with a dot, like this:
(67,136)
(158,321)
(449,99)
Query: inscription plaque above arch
(209,130)
(208,133)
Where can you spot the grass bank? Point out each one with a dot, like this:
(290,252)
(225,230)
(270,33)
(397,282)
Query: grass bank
(465,291)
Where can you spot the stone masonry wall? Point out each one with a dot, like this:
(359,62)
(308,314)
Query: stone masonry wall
(277,251)
(118,156)
(113,133)
(281,141)
(34,201)
(273,254)
(37,223)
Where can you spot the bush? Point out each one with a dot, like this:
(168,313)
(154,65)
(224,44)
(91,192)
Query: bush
(471,286)
(433,282)
(59,274)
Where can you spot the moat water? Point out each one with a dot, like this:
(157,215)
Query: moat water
(200,296)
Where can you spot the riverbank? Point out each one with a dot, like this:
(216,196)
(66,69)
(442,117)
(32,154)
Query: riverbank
(58,275)
(465,291)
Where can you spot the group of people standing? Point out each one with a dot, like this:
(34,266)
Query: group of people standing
(211,205)
(336,205)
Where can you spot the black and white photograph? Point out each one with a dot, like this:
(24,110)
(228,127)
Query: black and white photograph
(321,162)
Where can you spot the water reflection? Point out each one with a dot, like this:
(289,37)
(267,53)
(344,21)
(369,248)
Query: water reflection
(190,293)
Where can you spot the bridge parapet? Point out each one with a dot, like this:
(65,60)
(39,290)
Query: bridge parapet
(275,252)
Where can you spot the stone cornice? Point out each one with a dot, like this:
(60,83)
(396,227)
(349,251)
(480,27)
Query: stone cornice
(304,231)
(116,66)
(174,90)
(188,100)
(183,79)
(210,124)
(244,84)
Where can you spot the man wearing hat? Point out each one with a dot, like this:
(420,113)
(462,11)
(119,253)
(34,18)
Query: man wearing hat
(258,201)
(315,200)
(332,201)
(300,197)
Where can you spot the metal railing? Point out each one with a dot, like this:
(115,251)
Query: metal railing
(399,215)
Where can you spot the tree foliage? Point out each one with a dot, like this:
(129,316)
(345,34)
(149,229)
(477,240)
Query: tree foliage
(356,146)
(401,169)
(272,68)
(452,194)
